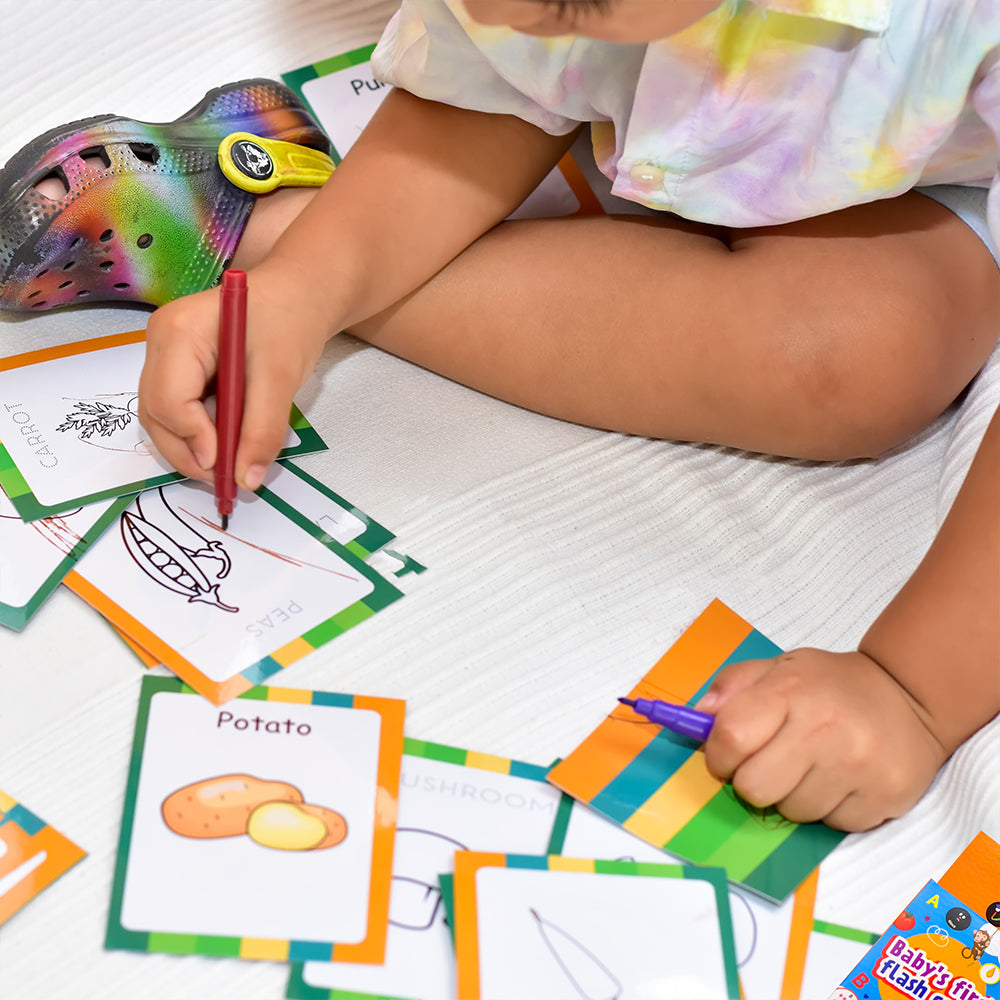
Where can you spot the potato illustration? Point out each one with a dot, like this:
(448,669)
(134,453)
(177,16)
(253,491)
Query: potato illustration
(221,806)
(295,826)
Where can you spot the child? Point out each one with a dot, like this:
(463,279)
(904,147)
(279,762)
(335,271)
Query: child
(782,139)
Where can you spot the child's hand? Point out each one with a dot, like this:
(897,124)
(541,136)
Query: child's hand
(284,343)
(824,736)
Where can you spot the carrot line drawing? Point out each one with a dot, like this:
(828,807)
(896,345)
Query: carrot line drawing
(89,417)
(149,534)
(589,976)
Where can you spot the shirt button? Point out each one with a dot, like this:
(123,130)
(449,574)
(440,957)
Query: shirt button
(647,176)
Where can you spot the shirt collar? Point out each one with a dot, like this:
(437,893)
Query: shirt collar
(869,15)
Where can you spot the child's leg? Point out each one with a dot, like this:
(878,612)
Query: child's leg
(830,338)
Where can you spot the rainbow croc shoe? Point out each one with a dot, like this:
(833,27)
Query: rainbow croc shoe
(146,213)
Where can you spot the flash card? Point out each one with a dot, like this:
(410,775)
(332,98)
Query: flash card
(70,431)
(263,829)
(32,855)
(225,609)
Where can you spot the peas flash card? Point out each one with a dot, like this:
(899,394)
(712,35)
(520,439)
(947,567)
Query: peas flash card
(32,855)
(945,945)
(263,829)
(70,431)
(224,610)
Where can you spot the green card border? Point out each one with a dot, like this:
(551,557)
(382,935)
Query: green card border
(118,937)
(298,988)
(296,78)
(30,508)
(16,618)
(372,538)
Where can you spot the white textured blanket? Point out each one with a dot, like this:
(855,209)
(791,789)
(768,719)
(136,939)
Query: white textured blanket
(563,561)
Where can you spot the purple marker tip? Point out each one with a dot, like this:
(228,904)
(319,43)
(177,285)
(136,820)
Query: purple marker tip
(677,718)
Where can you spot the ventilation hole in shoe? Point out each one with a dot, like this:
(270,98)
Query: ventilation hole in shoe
(53,185)
(37,291)
(106,265)
(106,235)
(146,152)
(94,155)
(82,292)
(121,284)
(144,241)
(37,305)
(66,284)
(74,243)
(69,266)
(42,272)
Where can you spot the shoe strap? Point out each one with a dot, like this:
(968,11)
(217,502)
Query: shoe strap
(260,165)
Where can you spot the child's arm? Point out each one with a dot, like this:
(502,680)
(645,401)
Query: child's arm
(422,182)
(856,738)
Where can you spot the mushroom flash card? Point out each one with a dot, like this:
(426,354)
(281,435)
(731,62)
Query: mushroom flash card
(449,800)
(225,609)
(70,431)
(263,829)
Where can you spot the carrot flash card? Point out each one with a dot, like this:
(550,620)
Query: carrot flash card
(32,855)
(70,432)
(449,800)
(538,927)
(263,829)
(225,610)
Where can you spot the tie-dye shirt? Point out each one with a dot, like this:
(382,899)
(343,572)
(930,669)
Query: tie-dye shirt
(760,113)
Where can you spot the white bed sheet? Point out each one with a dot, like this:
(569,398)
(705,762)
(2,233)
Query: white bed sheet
(563,561)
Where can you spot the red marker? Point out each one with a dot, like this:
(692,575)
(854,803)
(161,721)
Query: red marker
(230,384)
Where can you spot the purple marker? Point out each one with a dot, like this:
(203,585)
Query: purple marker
(677,718)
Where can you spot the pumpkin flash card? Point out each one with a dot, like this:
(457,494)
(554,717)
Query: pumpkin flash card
(225,609)
(70,430)
(263,829)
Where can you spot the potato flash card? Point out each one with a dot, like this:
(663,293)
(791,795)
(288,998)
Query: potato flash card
(263,829)
(655,783)
(70,430)
(449,800)
(770,938)
(540,927)
(32,855)
(945,944)
(225,610)
(36,556)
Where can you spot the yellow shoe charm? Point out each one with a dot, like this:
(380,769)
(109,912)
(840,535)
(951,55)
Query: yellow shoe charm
(260,165)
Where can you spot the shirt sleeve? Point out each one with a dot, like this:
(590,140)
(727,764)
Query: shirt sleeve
(427,50)
(986,101)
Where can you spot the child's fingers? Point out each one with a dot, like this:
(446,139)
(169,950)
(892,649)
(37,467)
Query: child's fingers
(744,724)
(731,681)
(179,363)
